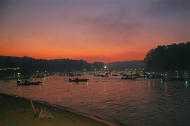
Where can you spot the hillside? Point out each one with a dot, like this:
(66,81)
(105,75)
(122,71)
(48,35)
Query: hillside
(122,65)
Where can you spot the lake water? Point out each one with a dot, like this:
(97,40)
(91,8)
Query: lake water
(125,102)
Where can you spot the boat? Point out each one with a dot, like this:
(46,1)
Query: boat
(115,74)
(102,75)
(27,83)
(129,77)
(78,80)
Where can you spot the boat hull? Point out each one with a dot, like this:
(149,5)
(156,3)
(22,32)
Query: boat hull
(78,80)
(29,83)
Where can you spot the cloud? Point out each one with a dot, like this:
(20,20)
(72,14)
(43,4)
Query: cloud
(115,27)
(165,7)
(170,18)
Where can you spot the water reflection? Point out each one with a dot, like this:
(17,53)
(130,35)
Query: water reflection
(186,84)
(141,102)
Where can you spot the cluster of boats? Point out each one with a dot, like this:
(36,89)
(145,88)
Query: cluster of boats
(27,83)
(125,76)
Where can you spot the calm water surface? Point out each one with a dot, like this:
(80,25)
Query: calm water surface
(136,103)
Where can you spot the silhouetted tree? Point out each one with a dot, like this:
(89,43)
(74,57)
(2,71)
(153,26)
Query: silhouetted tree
(169,57)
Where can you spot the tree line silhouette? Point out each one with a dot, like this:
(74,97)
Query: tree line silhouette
(169,57)
(30,65)
(162,58)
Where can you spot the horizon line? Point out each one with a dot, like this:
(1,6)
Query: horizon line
(70,59)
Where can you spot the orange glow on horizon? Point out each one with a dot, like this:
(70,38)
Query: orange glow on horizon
(103,31)
(90,52)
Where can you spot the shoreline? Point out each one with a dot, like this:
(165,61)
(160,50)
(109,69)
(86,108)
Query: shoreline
(66,112)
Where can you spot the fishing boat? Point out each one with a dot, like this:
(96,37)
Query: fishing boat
(78,80)
(27,83)
(102,75)
(129,77)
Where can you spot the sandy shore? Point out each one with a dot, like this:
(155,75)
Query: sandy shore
(16,111)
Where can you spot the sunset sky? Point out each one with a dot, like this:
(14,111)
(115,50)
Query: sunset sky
(93,30)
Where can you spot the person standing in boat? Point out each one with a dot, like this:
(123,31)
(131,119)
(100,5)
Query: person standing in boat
(18,78)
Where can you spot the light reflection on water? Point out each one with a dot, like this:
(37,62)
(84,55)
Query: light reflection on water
(141,102)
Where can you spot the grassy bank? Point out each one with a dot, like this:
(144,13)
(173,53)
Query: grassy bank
(16,111)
